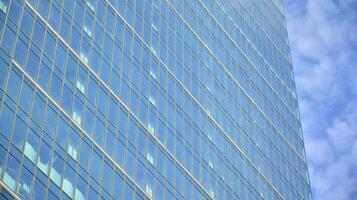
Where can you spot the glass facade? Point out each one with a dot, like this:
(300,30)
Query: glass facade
(148,99)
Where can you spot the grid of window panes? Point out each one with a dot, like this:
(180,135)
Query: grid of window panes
(6,193)
(148,99)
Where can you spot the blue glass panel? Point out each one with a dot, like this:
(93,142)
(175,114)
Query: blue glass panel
(6,119)
(19,133)
(20,52)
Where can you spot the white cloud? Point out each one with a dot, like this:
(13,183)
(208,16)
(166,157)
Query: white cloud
(320,150)
(342,134)
(323,42)
(333,159)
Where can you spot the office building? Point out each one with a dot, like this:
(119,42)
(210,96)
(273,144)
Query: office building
(148,99)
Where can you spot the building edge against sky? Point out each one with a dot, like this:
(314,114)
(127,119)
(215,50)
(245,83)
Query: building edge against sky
(148,99)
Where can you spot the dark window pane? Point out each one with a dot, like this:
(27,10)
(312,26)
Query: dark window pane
(32,64)
(26,24)
(19,133)
(50,43)
(6,118)
(44,76)
(38,35)
(20,53)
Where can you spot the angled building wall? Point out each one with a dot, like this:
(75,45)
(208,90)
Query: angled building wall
(141,99)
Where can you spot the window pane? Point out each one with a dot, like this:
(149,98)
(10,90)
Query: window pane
(32,64)
(13,85)
(39,34)
(140,174)
(25,184)
(89,121)
(118,186)
(19,133)
(65,28)
(60,57)
(44,76)
(129,192)
(62,133)
(26,97)
(68,181)
(107,174)
(26,24)
(20,52)
(8,41)
(67,99)
(73,145)
(38,109)
(44,159)
(50,43)
(14,11)
(50,120)
(55,90)
(11,172)
(30,149)
(56,169)
(6,118)
(99,132)
(84,154)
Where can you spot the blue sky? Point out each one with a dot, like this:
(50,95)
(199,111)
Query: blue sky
(323,40)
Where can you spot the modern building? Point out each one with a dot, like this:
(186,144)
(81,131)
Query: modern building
(148,99)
